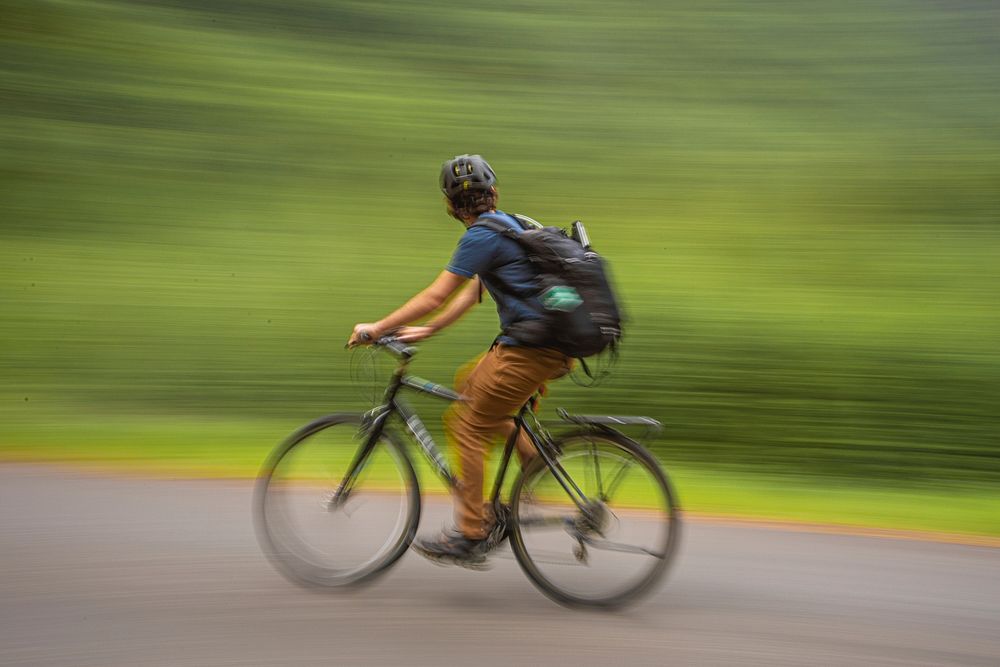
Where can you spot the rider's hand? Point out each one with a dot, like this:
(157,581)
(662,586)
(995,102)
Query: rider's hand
(365,333)
(413,334)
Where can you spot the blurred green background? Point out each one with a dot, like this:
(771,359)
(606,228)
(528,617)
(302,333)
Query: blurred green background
(799,199)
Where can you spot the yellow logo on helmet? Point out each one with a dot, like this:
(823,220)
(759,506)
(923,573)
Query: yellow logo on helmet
(465,185)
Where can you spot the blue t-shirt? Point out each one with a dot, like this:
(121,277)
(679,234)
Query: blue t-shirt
(503,268)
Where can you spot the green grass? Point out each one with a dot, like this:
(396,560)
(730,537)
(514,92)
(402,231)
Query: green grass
(237,449)
(198,200)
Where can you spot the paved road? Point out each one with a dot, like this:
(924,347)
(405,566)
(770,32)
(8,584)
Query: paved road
(103,571)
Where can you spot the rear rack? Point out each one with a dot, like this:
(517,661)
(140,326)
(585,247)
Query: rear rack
(611,420)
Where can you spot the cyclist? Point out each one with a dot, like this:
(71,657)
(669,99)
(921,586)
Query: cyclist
(506,376)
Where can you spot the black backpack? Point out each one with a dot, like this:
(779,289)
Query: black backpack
(581,313)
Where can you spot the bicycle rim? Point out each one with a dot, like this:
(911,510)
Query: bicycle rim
(614,551)
(319,539)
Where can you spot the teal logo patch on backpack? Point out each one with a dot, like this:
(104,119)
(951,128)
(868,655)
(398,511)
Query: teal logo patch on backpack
(561,297)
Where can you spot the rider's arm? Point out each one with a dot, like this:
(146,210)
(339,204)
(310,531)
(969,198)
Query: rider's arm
(427,301)
(474,253)
(466,299)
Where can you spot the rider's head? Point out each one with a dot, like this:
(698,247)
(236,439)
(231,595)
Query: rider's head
(469,186)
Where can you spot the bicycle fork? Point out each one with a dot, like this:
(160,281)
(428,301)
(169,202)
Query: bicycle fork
(372,425)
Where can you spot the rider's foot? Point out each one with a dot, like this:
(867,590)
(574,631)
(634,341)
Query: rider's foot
(452,547)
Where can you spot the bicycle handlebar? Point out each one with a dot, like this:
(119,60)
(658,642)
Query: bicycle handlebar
(392,344)
(397,347)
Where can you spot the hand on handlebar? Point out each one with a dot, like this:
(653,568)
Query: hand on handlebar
(364,333)
(414,334)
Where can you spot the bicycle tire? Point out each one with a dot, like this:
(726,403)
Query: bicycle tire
(667,517)
(289,552)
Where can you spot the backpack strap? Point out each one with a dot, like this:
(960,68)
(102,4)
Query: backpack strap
(526,222)
(494,225)
(504,230)
(497,226)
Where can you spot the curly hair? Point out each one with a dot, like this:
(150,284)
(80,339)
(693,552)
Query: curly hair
(473,204)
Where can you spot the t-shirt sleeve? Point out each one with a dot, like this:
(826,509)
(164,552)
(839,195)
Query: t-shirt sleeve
(474,253)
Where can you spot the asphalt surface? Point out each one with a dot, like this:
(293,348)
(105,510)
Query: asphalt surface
(104,571)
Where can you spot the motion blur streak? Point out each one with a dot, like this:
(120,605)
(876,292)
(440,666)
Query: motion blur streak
(799,199)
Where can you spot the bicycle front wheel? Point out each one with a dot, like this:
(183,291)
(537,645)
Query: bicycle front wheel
(319,538)
(614,541)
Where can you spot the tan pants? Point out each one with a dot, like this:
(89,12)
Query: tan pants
(500,382)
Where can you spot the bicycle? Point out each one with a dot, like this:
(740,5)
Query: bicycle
(574,507)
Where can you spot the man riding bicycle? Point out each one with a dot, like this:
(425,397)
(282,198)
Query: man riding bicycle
(507,375)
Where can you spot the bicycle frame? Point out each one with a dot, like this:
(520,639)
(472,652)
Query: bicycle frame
(374,422)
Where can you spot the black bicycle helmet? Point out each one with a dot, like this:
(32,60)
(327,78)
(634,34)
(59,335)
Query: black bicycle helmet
(466,173)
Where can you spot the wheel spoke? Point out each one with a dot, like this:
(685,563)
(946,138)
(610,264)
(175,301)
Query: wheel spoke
(597,471)
(616,480)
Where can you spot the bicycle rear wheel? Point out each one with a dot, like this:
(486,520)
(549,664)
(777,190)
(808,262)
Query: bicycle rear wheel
(318,538)
(618,546)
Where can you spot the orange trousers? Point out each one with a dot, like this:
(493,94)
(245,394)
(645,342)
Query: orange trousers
(493,388)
